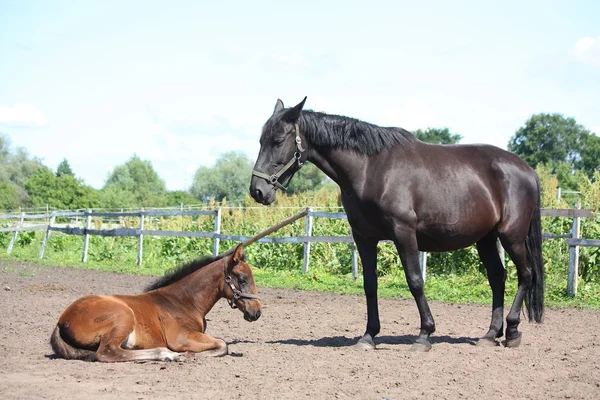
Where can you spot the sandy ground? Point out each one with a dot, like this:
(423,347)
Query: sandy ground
(300,348)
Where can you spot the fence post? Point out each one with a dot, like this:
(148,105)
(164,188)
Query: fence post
(423,262)
(47,236)
(14,238)
(86,238)
(354,261)
(308,222)
(140,239)
(574,255)
(217,229)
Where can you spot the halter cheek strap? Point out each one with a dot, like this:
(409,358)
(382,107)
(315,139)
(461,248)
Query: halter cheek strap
(236,293)
(274,179)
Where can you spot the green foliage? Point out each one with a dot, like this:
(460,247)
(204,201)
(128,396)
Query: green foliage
(9,198)
(229,178)
(15,168)
(64,168)
(552,139)
(139,180)
(63,192)
(178,197)
(438,136)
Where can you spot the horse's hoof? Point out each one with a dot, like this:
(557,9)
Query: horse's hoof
(514,342)
(365,343)
(420,347)
(487,342)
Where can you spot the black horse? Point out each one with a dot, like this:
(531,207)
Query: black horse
(422,197)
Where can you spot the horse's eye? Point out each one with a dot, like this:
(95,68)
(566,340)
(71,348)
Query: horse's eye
(242,280)
(278,141)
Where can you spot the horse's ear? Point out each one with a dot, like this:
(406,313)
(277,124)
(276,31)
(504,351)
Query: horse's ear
(293,115)
(278,106)
(237,256)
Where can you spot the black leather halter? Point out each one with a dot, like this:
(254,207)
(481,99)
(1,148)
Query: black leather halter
(274,179)
(236,293)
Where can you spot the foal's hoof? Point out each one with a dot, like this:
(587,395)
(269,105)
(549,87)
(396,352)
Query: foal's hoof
(420,347)
(365,343)
(487,342)
(513,342)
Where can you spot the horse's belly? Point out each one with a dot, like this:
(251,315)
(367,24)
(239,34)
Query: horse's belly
(444,238)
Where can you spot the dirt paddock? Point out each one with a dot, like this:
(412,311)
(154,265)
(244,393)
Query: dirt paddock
(300,348)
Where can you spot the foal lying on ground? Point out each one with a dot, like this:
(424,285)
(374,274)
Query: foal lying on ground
(165,322)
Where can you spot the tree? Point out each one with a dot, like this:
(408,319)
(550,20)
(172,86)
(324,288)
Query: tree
(137,178)
(438,136)
(9,196)
(552,139)
(64,168)
(15,168)
(63,192)
(178,197)
(229,178)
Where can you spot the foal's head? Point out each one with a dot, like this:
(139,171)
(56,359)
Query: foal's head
(240,289)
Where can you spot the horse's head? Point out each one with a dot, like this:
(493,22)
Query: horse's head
(240,289)
(282,153)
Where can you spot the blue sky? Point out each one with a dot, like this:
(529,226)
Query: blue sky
(182,82)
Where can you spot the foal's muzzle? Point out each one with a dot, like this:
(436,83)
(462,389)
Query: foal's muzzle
(252,315)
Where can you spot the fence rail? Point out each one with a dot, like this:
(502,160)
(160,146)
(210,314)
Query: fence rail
(574,240)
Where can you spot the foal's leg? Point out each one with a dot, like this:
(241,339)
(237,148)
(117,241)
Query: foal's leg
(406,244)
(488,252)
(368,255)
(198,342)
(518,253)
(110,349)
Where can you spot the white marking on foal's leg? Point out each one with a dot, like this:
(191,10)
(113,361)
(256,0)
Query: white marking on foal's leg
(129,343)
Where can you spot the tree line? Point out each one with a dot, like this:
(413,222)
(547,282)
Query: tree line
(557,144)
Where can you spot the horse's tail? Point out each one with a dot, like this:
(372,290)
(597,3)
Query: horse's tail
(64,350)
(534,299)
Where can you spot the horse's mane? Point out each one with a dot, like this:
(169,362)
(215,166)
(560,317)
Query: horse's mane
(180,272)
(339,132)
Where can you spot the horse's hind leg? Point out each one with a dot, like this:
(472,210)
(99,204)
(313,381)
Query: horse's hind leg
(518,253)
(123,324)
(488,252)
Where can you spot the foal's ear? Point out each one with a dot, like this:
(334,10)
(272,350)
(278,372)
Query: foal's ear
(294,113)
(237,256)
(278,106)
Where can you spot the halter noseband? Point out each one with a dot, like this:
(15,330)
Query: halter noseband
(236,293)
(274,179)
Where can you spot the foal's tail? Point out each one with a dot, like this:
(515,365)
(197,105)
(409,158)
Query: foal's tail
(534,299)
(64,350)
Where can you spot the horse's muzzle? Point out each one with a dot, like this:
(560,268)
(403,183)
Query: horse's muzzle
(252,315)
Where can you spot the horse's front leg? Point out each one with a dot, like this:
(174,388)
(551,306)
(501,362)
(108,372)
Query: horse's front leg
(406,244)
(368,255)
(198,342)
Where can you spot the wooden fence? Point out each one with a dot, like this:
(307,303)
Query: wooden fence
(574,239)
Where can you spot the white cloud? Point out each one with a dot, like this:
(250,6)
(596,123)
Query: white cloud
(22,116)
(587,50)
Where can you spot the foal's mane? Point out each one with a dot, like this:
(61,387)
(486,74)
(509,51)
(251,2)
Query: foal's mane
(180,272)
(339,132)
